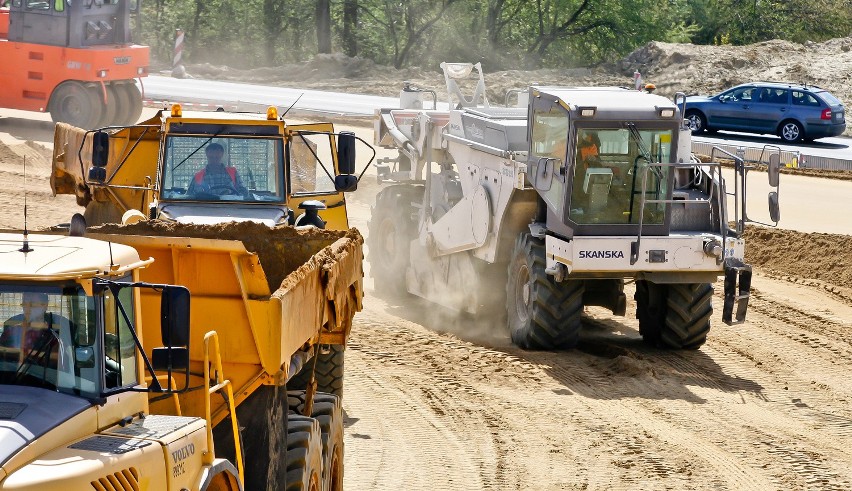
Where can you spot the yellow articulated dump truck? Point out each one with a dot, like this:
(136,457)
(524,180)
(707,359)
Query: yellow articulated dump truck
(214,167)
(110,381)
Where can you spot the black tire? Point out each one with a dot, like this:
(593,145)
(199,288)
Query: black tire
(134,99)
(111,112)
(329,413)
(264,434)
(696,121)
(650,310)
(75,104)
(791,131)
(392,226)
(304,454)
(542,314)
(124,106)
(328,373)
(675,316)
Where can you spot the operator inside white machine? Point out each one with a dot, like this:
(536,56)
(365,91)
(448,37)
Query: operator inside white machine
(607,163)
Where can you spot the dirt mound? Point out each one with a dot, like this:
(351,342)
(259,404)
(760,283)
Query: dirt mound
(282,250)
(709,69)
(823,257)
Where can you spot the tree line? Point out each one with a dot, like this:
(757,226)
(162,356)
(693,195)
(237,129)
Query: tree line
(504,34)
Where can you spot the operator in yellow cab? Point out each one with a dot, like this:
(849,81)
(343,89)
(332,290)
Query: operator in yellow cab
(36,334)
(217,177)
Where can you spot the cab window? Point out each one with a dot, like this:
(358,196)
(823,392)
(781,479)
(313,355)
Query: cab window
(612,166)
(119,345)
(311,164)
(550,141)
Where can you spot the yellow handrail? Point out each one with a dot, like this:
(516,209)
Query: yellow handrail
(221,383)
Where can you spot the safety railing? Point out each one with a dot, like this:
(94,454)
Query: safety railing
(714,172)
(212,338)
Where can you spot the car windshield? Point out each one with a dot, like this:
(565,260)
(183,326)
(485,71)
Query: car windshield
(47,338)
(203,168)
(611,167)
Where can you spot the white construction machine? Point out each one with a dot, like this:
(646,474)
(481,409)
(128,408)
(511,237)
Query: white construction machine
(550,205)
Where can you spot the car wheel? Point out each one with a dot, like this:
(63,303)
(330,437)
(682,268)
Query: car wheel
(696,122)
(791,131)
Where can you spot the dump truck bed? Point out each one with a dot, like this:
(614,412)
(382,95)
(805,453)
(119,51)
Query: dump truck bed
(270,293)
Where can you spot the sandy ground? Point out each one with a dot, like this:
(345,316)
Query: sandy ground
(434,401)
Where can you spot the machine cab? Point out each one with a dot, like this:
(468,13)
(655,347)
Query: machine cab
(594,164)
(73,24)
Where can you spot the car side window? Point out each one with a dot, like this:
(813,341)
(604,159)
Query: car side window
(804,99)
(776,96)
(745,94)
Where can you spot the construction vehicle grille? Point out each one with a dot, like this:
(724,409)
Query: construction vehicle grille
(125,480)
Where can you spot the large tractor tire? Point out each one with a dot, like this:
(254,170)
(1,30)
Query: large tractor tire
(542,313)
(674,316)
(74,103)
(328,373)
(329,413)
(392,227)
(264,434)
(304,454)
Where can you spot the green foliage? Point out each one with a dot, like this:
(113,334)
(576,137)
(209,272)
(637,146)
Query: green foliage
(502,33)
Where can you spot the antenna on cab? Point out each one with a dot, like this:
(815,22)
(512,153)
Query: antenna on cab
(26,247)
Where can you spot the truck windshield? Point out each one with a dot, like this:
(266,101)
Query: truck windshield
(204,168)
(610,166)
(48,338)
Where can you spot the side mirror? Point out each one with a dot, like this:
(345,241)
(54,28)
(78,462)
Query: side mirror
(174,316)
(544,174)
(100,149)
(774,169)
(97,174)
(346,152)
(346,183)
(774,207)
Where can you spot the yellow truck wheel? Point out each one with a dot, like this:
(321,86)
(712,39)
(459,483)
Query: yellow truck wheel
(328,411)
(304,454)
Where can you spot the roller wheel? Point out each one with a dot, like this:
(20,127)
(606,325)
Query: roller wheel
(304,454)
(111,110)
(264,432)
(134,98)
(674,316)
(75,104)
(124,106)
(392,227)
(328,373)
(542,313)
(329,413)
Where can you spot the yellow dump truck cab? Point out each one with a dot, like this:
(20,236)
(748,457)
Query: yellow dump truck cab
(74,381)
(209,167)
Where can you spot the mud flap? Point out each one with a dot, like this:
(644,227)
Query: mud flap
(737,287)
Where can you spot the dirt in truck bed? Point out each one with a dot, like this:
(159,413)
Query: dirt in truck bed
(281,250)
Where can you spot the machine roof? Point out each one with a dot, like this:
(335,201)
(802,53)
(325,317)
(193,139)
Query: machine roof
(606,98)
(59,256)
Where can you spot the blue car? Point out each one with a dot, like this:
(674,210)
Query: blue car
(793,112)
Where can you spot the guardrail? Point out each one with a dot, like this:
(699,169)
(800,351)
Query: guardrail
(788,158)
